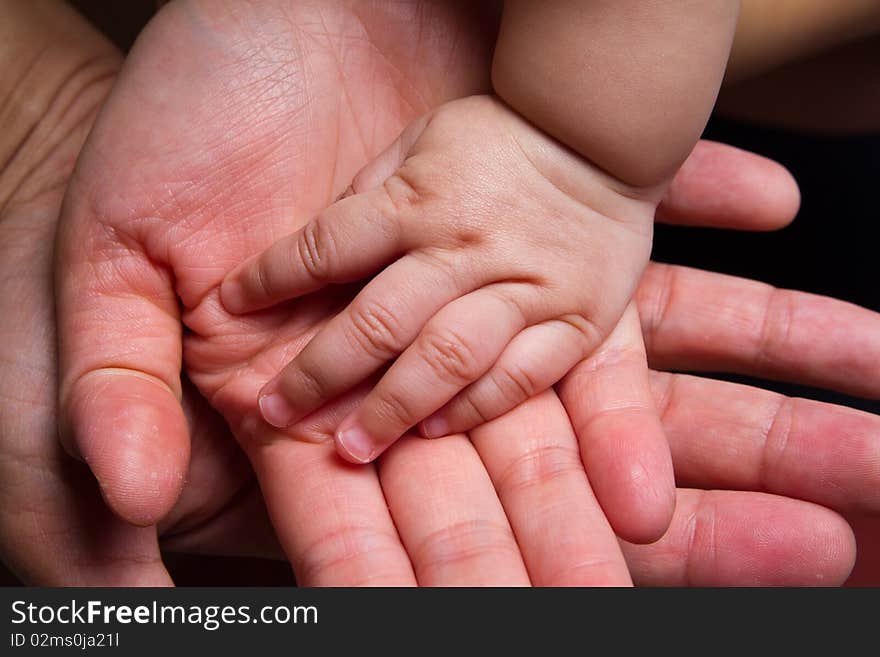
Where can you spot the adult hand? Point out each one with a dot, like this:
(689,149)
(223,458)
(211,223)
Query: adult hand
(54,527)
(333,521)
(731,436)
(79,533)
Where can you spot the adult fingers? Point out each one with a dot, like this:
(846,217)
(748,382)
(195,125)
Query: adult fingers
(532,456)
(55,529)
(721,186)
(728,538)
(449,517)
(119,365)
(532,459)
(726,435)
(702,321)
(331,518)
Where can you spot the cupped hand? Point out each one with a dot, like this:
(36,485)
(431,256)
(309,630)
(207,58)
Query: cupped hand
(54,527)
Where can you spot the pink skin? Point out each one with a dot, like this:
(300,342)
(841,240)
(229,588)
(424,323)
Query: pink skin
(54,527)
(486,227)
(329,518)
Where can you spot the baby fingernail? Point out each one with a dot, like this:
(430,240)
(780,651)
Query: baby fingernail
(276,410)
(357,443)
(435,427)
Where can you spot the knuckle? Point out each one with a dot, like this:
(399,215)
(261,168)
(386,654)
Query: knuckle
(300,381)
(315,249)
(702,537)
(593,570)
(465,235)
(341,551)
(515,384)
(395,410)
(469,408)
(449,356)
(261,279)
(376,330)
(590,333)
(540,465)
(775,444)
(656,300)
(667,397)
(461,542)
(776,325)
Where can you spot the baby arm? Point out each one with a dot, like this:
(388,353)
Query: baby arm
(628,84)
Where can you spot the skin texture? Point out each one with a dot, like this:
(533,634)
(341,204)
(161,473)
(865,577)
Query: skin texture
(798,541)
(472,223)
(54,525)
(489,226)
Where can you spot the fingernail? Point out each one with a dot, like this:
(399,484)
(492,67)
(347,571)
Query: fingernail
(434,427)
(231,295)
(357,443)
(276,410)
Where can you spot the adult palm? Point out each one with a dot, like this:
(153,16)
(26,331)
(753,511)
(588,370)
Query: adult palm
(199,159)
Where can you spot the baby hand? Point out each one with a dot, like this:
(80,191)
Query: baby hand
(504,259)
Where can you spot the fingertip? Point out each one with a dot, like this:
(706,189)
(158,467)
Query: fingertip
(642,509)
(355,444)
(769,194)
(790,542)
(232,295)
(435,426)
(723,186)
(632,475)
(133,435)
(840,550)
(276,410)
(787,198)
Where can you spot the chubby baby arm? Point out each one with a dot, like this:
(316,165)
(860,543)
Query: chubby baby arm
(628,84)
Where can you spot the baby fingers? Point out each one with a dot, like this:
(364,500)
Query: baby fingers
(533,362)
(352,239)
(456,347)
(377,325)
